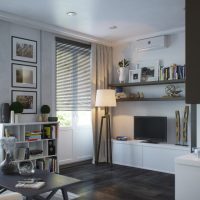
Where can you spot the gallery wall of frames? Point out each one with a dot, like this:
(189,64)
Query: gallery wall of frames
(24,73)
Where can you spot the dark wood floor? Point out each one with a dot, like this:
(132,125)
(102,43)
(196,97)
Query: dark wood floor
(120,183)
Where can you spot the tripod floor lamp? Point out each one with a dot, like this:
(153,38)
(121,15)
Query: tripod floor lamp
(105,98)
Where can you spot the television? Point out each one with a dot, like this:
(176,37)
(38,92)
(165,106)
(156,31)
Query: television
(152,129)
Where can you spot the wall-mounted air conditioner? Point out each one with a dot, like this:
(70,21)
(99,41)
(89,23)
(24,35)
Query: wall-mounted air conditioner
(151,43)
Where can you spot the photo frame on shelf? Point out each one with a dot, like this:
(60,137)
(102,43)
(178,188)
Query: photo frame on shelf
(134,76)
(24,50)
(24,76)
(149,70)
(28,100)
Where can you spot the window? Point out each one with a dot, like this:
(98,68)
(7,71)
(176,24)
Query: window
(73,82)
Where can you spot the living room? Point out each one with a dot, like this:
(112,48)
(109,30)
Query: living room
(108,169)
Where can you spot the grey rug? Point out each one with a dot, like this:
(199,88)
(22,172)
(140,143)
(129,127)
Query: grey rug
(58,195)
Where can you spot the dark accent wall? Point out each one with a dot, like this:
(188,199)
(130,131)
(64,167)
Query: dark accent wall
(192,51)
(193,126)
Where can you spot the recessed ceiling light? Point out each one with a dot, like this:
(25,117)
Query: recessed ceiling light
(71,13)
(112,27)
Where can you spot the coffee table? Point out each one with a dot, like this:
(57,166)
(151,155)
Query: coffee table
(53,182)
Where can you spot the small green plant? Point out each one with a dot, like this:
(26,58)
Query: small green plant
(45,109)
(123,63)
(17,107)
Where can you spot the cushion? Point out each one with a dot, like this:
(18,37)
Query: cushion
(11,196)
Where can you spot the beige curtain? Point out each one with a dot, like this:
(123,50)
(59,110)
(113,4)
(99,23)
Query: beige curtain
(101,75)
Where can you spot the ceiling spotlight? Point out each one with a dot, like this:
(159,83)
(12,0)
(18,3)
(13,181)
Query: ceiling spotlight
(112,27)
(71,13)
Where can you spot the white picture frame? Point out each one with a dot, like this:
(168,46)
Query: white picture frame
(149,71)
(134,76)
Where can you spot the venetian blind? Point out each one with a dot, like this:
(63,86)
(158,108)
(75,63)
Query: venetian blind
(73,76)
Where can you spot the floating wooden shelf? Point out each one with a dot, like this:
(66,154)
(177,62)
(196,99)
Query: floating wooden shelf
(147,83)
(153,99)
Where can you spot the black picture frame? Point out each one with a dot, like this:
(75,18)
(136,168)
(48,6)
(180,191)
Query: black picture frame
(24,50)
(23,82)
(27,98)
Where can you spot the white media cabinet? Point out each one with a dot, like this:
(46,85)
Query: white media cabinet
(158,157)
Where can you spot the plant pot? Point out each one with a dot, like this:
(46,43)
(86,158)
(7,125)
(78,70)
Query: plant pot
(12,117)
(45,117)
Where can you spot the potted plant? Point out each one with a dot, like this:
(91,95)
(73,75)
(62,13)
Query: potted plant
(18,108)
(45,110)
(123,64)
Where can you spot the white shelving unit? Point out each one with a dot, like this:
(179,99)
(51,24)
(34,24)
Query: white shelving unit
(46,156)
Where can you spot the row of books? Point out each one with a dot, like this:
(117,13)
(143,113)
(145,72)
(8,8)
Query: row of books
(33,135)
(48,132)
(172,73)
(49,164)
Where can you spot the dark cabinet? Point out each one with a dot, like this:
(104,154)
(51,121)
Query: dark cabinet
(192,51)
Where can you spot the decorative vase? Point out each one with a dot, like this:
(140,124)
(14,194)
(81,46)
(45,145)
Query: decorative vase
(12,117)
(122,74)
(39,118)
(26,168)
(7,166)
(5,112)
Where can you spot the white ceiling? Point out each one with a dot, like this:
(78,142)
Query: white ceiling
(94,17)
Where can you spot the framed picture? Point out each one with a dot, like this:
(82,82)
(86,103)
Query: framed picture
(24,50)
(134,75)
(28,100)
(149,73)
(149,70)
(24,76)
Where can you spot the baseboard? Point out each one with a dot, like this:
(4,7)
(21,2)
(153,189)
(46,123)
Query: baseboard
(62,167)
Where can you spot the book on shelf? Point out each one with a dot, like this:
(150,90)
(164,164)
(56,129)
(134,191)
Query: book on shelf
(172,72)
(49,131)
(51,164)
(40,164)
(21,152)
(33,135)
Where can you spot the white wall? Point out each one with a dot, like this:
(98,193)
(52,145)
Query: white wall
(124,112)
(45,65)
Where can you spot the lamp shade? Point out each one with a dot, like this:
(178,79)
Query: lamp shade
(105,98)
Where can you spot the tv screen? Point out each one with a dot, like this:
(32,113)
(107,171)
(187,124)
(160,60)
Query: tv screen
(152,128)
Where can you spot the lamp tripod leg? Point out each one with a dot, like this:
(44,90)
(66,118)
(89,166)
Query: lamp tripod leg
(107,139)
(110,140)
(99,142)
